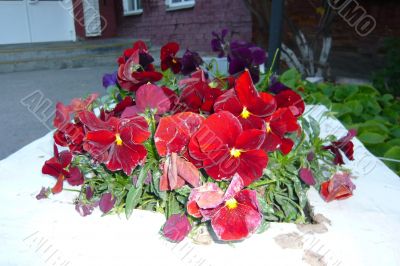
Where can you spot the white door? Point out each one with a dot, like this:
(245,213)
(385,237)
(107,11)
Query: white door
(36,21)
(14,24)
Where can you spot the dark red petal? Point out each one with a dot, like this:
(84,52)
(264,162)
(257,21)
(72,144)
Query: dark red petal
(65,158)
(152,97)
(126,157)
(59,138)
(291,99)
(193,209)
(286,145)
(62,115)
(218,131)
(238,223)
(146,76)
(251,139)
(348,150)
(58,187)
(139,46)
(324,191)
(177,227)
(170,49)
(272,142)
(252,164)
(75,177)
(222,167)
(134,129)
(228,102)
(52,167)
(188,172)
(173,132)
(107,202)
(92,122)
(250,98)
(103,137)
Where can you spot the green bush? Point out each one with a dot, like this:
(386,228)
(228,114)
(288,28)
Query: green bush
(387,80)
(376,116)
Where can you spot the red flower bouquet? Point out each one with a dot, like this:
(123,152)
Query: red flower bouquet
(199,147)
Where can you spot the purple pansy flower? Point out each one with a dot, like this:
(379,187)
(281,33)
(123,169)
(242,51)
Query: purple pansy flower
(244,55)
(109,80)
(218,43)
(190,62)
(275,86)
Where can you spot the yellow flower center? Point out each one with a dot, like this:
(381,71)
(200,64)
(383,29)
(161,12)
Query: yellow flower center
(268,128)
(245,113)
(235,153)
(118,139)
(231,203)
(173,60)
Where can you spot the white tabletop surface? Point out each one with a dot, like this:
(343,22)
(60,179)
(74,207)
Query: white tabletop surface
(362,230)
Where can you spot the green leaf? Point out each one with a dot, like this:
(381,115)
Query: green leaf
(344,91)
(132,200)
(142,175)
(315,127)
(355,106)
(371,138)
(290,78)
(393,153)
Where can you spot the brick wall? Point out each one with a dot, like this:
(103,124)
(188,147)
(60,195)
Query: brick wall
(386,13)
(190,27)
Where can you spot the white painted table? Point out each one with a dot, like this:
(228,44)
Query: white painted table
(362,230)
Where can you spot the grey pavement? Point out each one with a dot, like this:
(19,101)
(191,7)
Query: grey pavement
(18,125)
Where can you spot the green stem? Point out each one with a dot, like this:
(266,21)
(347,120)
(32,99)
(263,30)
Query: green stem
(72,190)
(262,183)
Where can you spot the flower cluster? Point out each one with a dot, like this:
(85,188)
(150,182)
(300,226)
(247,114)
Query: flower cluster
(214,151)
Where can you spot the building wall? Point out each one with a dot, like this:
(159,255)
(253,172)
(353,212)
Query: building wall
(345,37)
(190,27)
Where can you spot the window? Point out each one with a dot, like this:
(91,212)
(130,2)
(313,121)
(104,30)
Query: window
(132,7)
(179,4)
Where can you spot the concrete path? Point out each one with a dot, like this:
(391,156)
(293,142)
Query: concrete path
(21,90)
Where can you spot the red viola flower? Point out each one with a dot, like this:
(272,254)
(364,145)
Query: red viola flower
(177,171)
(177,227)
(282,121)
(234,216)
(118,110)
(169,59)
(337,188)
(174,132)
(135,68)
(116,142)
(246,103)
(67,133)
(58,167)
(345,145)
(152,97)
(78,105)
(291,100)
(197,94)
(70,135)
(224,148)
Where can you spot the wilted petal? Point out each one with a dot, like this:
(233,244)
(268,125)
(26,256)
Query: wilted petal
(107,202)
(177,227)
(307,176)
